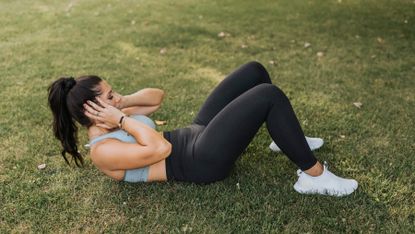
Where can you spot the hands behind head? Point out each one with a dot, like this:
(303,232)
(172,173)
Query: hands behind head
(105,115)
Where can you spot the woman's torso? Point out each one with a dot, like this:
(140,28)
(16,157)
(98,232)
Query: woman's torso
(156,171)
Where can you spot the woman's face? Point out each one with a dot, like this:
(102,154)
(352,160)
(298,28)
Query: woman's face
(108,95)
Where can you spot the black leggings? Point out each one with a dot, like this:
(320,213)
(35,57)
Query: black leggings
(227,122)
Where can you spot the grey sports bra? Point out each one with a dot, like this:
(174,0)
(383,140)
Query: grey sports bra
(132,175)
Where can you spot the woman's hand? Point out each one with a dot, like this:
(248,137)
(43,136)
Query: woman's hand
(107,116)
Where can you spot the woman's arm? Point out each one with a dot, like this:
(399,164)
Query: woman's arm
(141,110)
(113,155)
(144,101)
(151,147)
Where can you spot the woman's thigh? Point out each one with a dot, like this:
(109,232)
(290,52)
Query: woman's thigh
(242,79)
(230,132)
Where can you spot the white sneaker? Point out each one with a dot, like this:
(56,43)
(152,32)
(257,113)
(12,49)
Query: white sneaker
(313,143)
(326,184)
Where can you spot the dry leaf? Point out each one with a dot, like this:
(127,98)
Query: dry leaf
(163,50)
(223,34)
(41,166)
(380,40)
(307,44)
(160,122)
(357,104)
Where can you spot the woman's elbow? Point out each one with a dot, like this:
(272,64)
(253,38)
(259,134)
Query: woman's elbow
(161,96)
(159,152)
(165,149)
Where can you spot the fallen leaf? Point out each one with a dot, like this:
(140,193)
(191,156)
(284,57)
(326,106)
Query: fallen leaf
(223,34)
(41,166)
(163,50)
(307,44)
(160,122)
(380,40)
(357,104)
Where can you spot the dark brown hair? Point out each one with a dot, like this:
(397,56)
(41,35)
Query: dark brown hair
(66,98)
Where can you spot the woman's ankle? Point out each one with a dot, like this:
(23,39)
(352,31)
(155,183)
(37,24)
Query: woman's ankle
(315,170)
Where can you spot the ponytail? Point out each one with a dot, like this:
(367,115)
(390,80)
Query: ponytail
(66,97)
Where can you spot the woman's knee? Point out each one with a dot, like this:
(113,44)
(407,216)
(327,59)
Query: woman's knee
(271,91)
(256,65)
(259,68)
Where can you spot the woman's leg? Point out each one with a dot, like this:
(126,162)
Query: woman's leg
(242,79)
(232,129)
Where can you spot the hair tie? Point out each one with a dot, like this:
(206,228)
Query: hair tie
(69,83)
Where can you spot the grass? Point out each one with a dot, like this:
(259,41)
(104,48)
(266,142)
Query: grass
(368,57)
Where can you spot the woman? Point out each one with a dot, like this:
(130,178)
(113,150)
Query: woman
(125,146)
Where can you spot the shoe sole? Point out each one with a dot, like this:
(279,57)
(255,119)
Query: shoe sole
(298,189)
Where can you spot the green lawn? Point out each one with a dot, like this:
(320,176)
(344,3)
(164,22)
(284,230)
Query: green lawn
(368,56)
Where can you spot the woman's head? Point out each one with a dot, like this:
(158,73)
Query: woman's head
(66,98)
